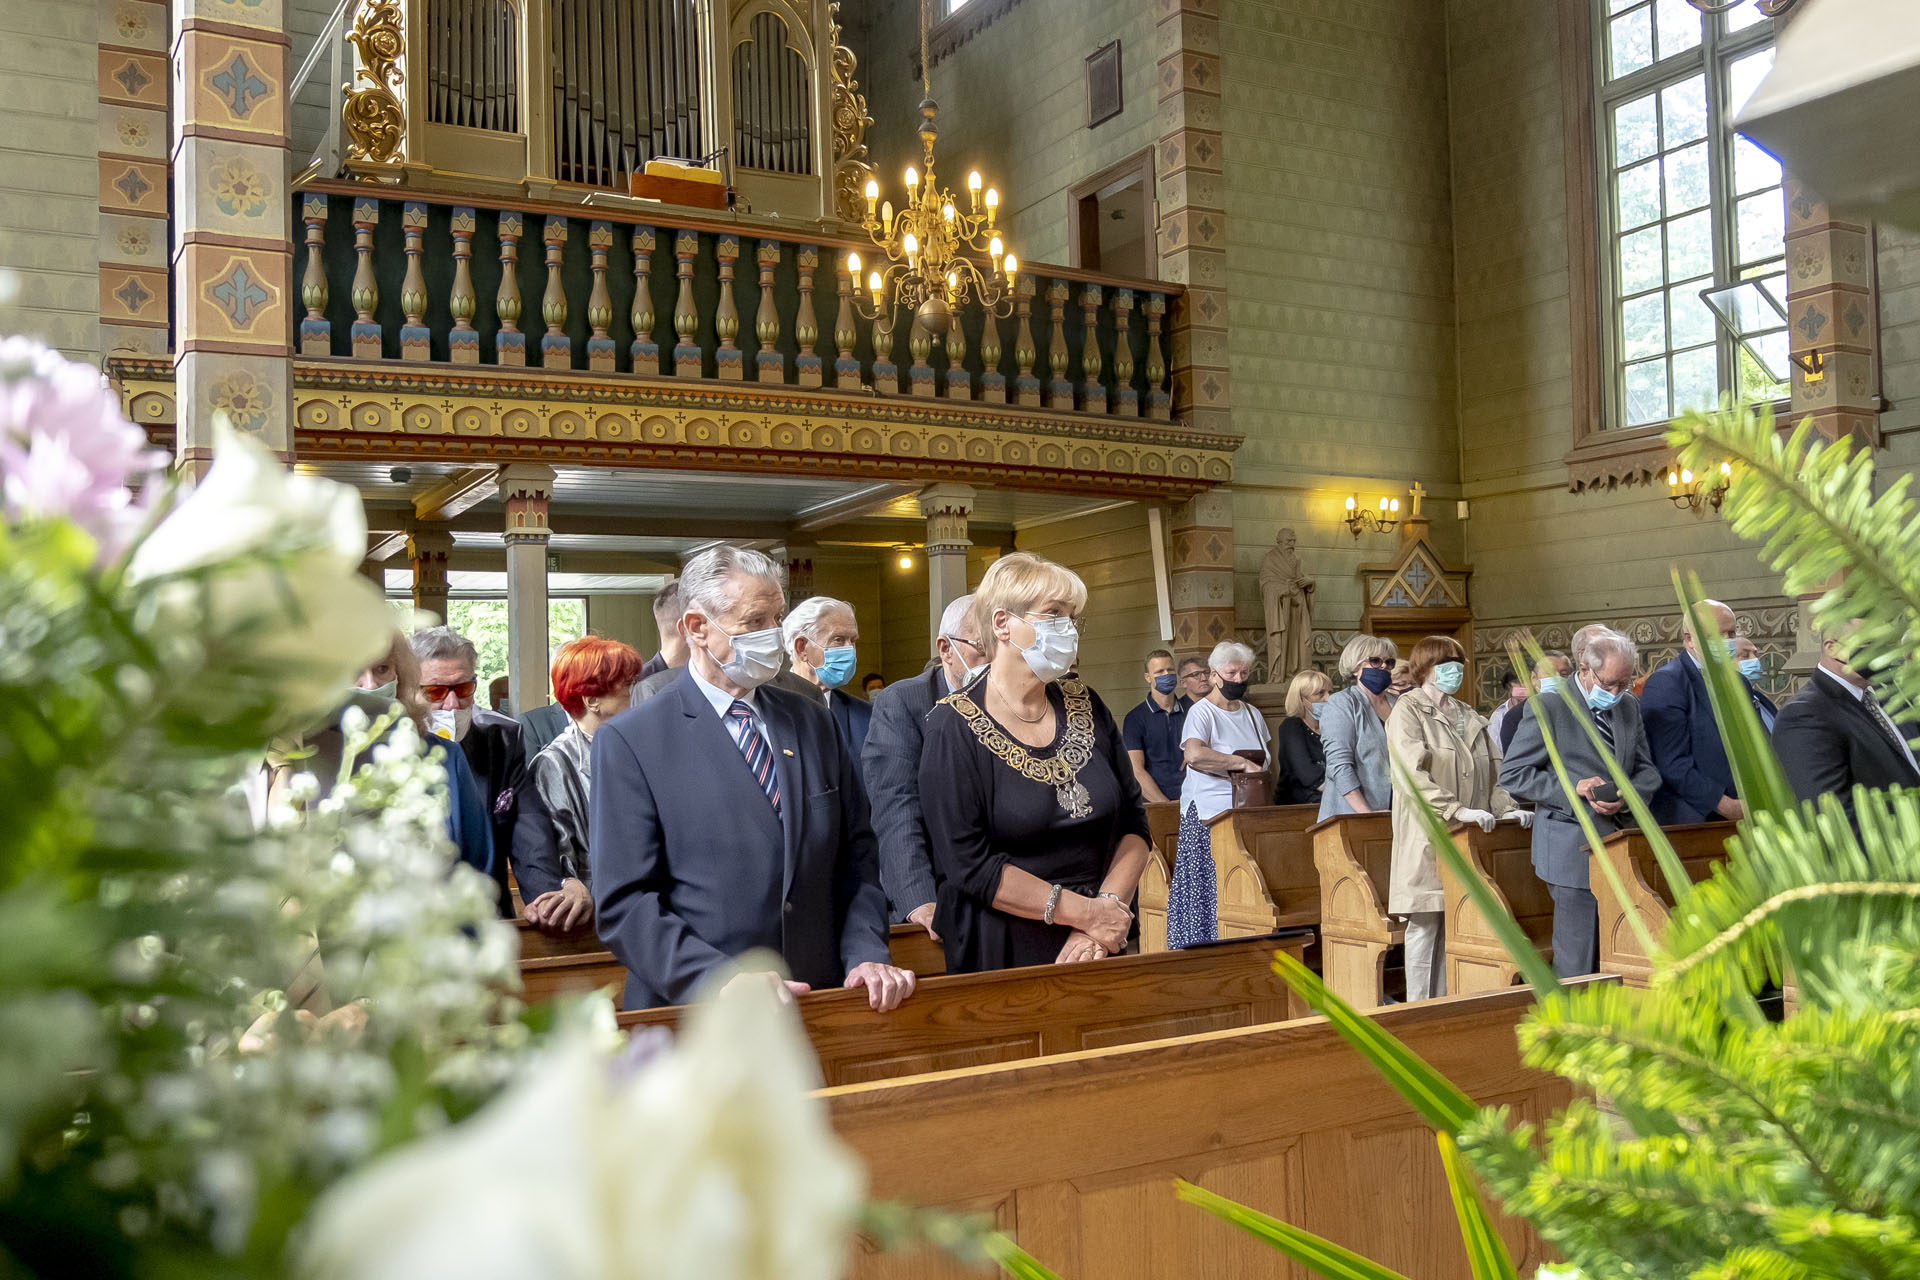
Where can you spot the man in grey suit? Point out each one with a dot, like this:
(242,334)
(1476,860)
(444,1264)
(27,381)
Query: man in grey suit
(1603,680)
(891,764)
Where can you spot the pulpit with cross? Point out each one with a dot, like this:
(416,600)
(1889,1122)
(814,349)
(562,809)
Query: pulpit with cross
(1418,594)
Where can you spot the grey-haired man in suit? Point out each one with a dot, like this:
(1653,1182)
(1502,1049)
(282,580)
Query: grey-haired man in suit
(1602,688)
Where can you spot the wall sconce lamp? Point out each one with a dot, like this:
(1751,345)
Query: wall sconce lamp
(1754,312)
(1689,492)
(903,557)
(1372,521)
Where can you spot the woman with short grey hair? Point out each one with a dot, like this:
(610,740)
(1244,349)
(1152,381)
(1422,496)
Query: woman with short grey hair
(1353,730)
(1224,736)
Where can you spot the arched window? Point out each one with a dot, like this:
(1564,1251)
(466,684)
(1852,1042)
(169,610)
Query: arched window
(473,64)
(772,113)
(627,77)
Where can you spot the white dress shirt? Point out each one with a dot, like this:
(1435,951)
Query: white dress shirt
(722,703)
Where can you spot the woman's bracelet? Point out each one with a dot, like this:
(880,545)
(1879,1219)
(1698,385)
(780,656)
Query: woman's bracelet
(1053,900)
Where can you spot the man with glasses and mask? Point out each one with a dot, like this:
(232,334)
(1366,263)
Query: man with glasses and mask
(892,764)
(1153,732)
(1602,698)
(727,816)
(492,743)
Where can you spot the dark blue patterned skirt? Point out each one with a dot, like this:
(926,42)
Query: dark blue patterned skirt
(1193,899)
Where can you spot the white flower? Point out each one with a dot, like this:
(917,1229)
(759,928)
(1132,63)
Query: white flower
(262,565)
(713,1159)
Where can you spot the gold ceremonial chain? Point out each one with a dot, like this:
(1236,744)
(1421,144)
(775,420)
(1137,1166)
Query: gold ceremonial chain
(1062,769)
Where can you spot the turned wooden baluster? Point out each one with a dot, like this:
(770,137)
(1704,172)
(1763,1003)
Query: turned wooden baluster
(920,344)
(959,381)
(808,369)
(316,334)
(686,316)
(1159,402)
(1126,401)
(1059,390)
(463,340)
(645,351)
(846,364)
(556,348)
(509,344)
(365,332)
(993,383)
(1093,392)
(599,302)
(729,361)
(768,364)
(1026,385)
(886,374)
(416,343)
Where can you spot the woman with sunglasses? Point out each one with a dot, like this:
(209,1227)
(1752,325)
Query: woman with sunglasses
(1353,731)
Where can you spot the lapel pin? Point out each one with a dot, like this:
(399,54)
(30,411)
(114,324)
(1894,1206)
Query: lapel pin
(786,751)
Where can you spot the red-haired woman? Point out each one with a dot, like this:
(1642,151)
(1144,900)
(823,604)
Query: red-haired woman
(593,681)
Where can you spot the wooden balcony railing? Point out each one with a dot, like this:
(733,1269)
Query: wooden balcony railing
(430,278)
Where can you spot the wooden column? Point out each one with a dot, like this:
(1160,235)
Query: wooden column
(993,383)
(599,301)
(1026,385)
(232,226)
(729,361)
(1200,572)
(768,364)
(463,340)
(846,364)
(809,370)
(365,330)
(920,345)
(526,488)
(1059,390)
(946,507)
(316,332)
(556,349)
(1126,400)
(510,344)
(959,381)
(427,552)
(415,341)
(1193,220)
(1093,392)
(645,351)
(686,314)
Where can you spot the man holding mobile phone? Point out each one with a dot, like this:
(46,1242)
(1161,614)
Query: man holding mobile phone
(1600,697)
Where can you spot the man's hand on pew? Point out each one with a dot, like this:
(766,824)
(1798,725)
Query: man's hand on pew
(1080,948)
(923,916)
(886,985)
(562,911)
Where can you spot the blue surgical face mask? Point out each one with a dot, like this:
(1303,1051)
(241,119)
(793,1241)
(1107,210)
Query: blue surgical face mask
(1600,698)
(1055,647)
(1549,684)
(1165,682)
(1375,679)
(1733,647)
(838,667)
(1448,675)
(1750,668)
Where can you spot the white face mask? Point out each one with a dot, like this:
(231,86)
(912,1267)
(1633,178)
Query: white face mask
(1056,644)
(755,659)
(451,724)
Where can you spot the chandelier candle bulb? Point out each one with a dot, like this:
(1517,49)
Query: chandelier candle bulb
(913,177)
(873,194)
(1352,502)
(946,211)
(853,266)
(993,204)
(886,218)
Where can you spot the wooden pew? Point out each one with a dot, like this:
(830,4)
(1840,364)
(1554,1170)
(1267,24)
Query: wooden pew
(1648,893)
(1502,859)
(1075,1155)
(552,967)
(1263,873)
(1163,828)
(1354,855)
(967,1020)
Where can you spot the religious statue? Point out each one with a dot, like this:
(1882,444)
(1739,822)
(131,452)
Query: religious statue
(1287,592)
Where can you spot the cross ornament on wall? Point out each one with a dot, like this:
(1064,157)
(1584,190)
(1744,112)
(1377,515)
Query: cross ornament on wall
(1417,493)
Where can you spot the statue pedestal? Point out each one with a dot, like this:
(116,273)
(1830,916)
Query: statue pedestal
(1272,701)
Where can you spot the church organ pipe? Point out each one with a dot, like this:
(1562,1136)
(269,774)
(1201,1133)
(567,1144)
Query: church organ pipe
(772,122)
(473,67)
(626,87)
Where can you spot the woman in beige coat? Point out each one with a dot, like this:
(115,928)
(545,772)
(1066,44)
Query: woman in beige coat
(1444,745)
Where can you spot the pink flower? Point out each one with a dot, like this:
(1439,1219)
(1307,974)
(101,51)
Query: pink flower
(66,450)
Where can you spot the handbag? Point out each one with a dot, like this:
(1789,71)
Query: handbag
(1251,790)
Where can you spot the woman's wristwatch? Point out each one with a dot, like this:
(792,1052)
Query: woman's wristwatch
(1053,900)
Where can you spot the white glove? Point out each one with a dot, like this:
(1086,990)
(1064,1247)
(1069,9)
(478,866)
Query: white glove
(1522,816)
(1480,817)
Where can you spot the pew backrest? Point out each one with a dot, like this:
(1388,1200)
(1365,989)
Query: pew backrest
(1275,840)
(1630,854)
(910,948)
(1151,902)
(1501,859)
(1163,828)
(966,1020)
(1354,855)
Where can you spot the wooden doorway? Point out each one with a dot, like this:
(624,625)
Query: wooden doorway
(1115,216)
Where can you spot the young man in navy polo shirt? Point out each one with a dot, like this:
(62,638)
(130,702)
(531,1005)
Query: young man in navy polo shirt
(1152,732)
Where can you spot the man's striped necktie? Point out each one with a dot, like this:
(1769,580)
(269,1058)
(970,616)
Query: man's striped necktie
(754,747)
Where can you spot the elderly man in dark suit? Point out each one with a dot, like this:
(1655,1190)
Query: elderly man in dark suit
(727,816)
(892,765)
(1836,736)
(821,638)
(1602,681)
(1696,782)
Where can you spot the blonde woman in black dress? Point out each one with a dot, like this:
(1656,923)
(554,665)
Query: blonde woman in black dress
(1033,815)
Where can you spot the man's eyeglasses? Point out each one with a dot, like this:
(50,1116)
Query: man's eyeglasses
(439,692)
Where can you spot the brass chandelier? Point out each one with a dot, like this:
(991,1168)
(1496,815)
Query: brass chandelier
(932,249)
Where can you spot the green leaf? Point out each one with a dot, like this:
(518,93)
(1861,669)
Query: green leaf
(1533,966)
(1438,1101)
(1487,1254)
(1014,1260)
(1306,1248)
